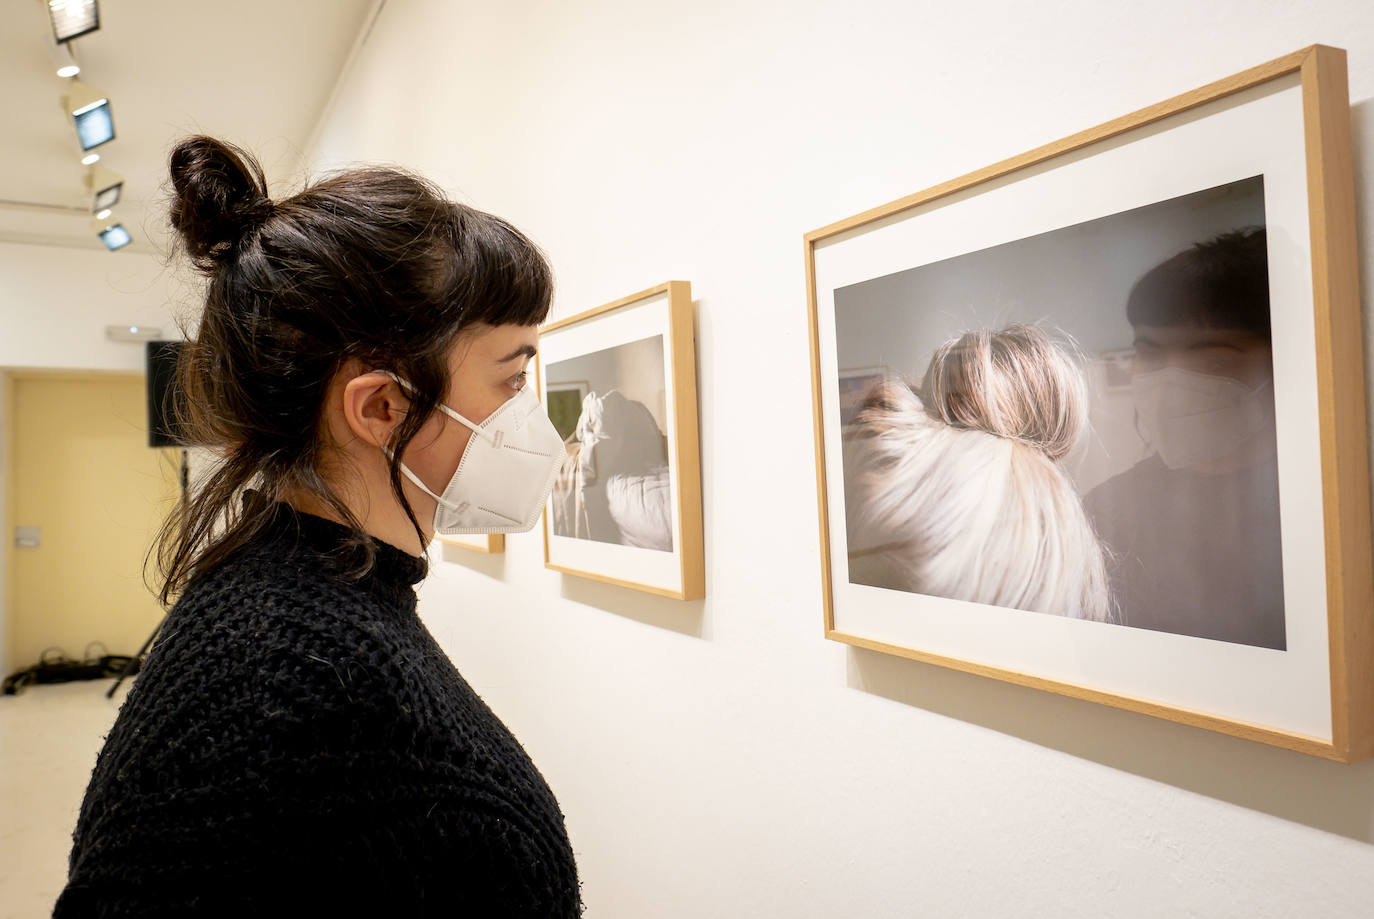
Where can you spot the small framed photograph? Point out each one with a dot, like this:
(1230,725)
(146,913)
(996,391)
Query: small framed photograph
(1107,436)
(490,543)
(621,381)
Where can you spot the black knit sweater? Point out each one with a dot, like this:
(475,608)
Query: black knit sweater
(298,744)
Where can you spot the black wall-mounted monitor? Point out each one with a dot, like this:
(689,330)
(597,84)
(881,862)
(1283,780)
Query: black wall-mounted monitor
(161,359)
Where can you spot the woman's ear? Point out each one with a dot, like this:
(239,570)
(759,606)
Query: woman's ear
(373,407)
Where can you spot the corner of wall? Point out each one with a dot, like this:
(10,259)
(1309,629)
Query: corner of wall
(310,151)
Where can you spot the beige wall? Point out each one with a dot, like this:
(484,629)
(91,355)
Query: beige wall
(55,304)
(82,471)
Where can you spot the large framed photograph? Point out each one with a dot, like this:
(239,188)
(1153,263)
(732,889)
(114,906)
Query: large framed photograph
(1092,419)
(620,383)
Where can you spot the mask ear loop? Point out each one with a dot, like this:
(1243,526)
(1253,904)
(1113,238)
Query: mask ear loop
(1150,448)
(485,435)
(405,470)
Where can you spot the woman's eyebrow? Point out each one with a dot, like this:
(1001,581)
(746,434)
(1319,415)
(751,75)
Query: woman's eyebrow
(522,351)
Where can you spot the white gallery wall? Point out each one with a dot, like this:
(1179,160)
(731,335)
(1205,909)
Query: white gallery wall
(720,757)
(56,302)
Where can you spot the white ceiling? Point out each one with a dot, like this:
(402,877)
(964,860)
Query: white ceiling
(255,72)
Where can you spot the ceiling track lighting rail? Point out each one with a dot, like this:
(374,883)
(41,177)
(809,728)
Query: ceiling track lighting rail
(42,207)
(91,115)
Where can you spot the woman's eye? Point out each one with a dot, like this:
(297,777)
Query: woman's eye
(518,381)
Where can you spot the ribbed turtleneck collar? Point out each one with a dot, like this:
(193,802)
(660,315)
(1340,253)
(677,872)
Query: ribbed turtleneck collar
(394,573)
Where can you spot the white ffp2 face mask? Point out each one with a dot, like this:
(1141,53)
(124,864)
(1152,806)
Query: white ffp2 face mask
(505,473)
(1193,419)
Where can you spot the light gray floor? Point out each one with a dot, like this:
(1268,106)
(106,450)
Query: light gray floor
(49,738)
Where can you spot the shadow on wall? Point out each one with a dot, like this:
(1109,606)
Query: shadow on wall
(493,565)
(1291,786)
(687,617)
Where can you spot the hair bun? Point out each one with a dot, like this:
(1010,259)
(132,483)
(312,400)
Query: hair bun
(220,194)
(1016,383)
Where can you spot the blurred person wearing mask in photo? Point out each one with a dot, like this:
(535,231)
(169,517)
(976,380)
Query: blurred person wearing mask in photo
(1193,528)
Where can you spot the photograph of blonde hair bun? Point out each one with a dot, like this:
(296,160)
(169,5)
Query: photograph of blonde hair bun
(957,491)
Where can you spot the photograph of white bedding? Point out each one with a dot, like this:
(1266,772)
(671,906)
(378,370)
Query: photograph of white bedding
(614,486)
(641,507)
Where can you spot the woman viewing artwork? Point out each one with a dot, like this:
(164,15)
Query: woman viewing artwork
(956,489)
(297,742)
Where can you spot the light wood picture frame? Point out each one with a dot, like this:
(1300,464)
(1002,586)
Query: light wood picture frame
(1276,137)
(626,509)
(489,543)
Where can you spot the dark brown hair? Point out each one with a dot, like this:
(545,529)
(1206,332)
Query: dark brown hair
(370,263)
(1221,283)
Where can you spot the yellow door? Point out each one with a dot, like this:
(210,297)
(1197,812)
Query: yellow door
(84,476)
